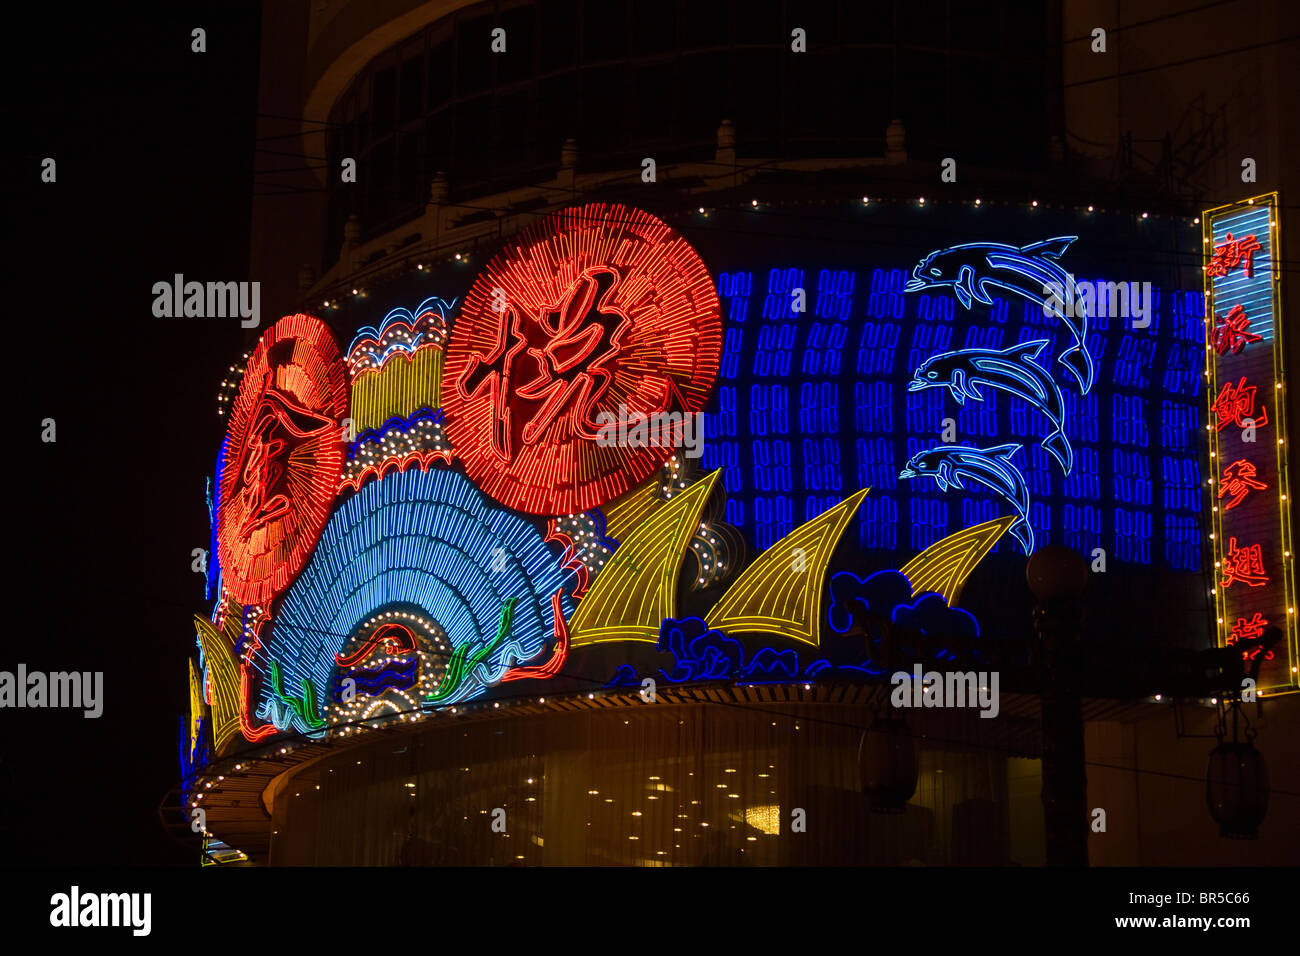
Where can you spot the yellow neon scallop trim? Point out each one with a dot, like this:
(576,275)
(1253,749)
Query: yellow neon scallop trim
(224,671)
(771,597)
(944,566)
(403,385)
(637,588)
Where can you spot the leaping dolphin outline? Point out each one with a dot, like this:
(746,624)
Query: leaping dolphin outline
(991,467)
(973,268)
(1011,370)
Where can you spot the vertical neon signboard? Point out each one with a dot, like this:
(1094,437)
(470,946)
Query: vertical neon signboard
(1254,560)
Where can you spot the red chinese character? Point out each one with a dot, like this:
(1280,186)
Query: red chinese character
(1236,404)
(571,347)
(576,365)
(1244,564)
(1245,630)
(1230,331)
(1238,479)
(1229,255)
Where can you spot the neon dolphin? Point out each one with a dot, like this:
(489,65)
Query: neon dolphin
(991,467)
(1011,370)
(1030,271)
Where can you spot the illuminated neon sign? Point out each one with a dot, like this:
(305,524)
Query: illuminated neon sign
(591,311)
(991,468)
(431,543)
(420,593)
(1232,331)
(1235,405)
(1232,253)
(283,455)
(975,268)
(1033,273)
(1254,560)
(1237,482)
(1011,370)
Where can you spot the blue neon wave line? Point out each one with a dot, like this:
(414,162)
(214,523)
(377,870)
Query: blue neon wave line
(443,307)
(213,577)
(432,415)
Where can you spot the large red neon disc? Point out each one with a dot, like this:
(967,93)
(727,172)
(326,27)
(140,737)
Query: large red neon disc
(593,309)
(284,453)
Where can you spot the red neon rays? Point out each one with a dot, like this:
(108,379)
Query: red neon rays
(283,458)
(600,310)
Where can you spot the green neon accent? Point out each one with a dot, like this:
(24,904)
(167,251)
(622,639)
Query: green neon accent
(463,664)
(308,712)
(277,683)
(304,706)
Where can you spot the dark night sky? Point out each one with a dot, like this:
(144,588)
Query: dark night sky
(154,148)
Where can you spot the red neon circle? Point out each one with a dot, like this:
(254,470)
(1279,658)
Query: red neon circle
(590,309)
(284,453)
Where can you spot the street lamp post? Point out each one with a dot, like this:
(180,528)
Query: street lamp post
(1058,578)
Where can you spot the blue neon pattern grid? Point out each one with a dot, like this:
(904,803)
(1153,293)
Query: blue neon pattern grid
(812,406)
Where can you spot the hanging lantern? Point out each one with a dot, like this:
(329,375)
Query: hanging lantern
(887,762)
(1236,789)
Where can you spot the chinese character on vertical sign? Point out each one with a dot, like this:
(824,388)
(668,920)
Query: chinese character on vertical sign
(1245,565)
(1238,481)
(1232,253)
(1231,331)
(1254,583)
(1236,404)
(1250,630)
